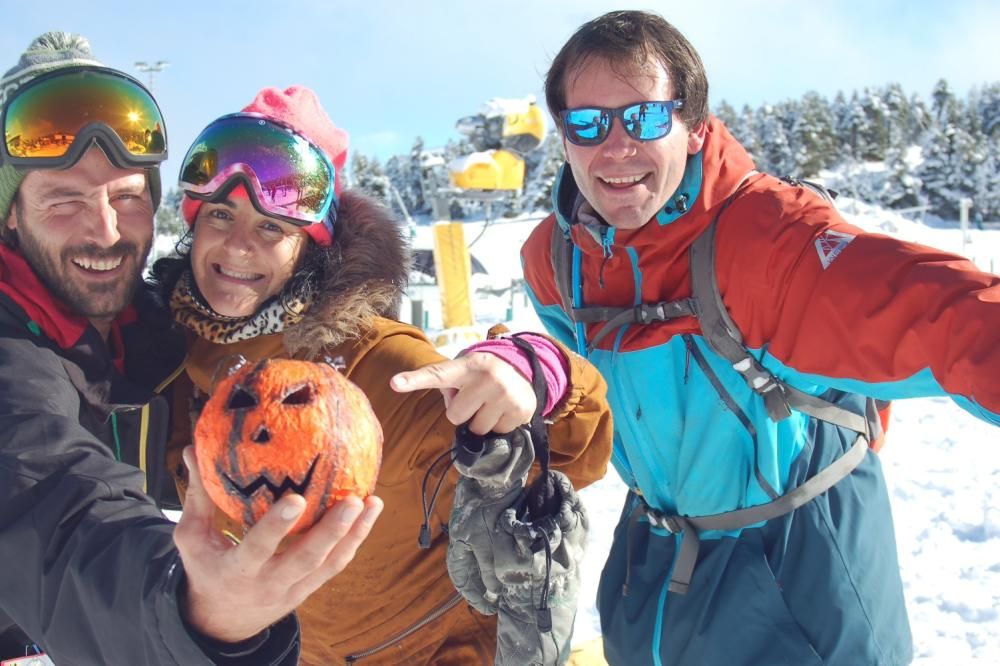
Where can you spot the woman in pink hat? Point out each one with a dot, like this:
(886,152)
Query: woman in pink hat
(283,262)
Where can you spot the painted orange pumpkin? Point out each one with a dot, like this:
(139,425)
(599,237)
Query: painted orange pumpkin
(284,425)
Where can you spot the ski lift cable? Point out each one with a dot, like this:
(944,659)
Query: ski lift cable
(486,223)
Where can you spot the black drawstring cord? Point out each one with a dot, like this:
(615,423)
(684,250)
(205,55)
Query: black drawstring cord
(543,615)
(424,541)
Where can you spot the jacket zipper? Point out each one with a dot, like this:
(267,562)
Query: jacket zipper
(607,243)
(420,624)
(732,405)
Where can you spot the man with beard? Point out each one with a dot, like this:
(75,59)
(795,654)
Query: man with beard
(93,573)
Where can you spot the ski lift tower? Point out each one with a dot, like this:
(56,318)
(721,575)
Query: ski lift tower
(502,133)
(151,68)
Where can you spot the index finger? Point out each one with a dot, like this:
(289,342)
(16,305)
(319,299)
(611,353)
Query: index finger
(442,375)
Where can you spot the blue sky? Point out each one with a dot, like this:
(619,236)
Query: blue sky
(390,71)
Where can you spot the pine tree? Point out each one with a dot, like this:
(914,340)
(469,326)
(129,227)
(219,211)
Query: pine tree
(366,175)
(776,155)
(987,180)
(815,146)
(539,181)
(416,176)
(852,126)
(169,221)
(944,106)
(727,115)
(407,175)
(948,172)
(738,125)
(874,131)
(902,187)
(899,119)
(987,105)
(748,133)
(922,119)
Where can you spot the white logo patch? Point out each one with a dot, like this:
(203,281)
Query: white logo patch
(830,244)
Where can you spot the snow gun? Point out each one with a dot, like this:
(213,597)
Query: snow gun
(502,133)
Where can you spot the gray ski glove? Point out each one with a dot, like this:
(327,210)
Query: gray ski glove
(513,550)
(516,551)
(493,471)
(540,578)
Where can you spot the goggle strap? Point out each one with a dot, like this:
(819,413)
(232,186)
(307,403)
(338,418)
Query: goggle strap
(109,142)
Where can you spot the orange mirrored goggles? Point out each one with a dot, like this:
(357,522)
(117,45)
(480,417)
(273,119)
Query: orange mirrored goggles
(50,121)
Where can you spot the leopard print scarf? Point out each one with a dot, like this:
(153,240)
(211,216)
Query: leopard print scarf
(191,311)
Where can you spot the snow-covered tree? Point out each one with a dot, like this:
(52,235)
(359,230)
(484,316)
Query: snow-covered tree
(902,187)
(538,180)
(169,221)
(987,104)
(874,131)
(739,124)
(948,171)
(367,175)
(813,136)
(986,199)
(944,106)
(404,173)
(776,155)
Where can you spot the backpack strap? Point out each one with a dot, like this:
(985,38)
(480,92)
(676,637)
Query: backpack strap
(561,255)
(613,317)
(725,339)
(691,526)
(718,328)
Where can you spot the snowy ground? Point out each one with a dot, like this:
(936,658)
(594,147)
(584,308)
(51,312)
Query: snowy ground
(942,465)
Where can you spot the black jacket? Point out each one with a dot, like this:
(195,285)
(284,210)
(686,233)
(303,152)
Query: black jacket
(88,568)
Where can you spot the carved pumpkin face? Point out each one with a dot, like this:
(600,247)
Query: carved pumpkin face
(284,425)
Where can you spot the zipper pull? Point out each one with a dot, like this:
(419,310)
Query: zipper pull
(606,245)
(687,357)
(606,242)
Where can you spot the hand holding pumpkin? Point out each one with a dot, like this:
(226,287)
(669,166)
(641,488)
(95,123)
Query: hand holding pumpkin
(479,388)
(235,591)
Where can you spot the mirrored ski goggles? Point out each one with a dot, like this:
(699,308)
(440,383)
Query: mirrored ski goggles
(645,121)
(50,121)
(289,176)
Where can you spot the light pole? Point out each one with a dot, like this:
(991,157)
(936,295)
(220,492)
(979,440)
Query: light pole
(151,69)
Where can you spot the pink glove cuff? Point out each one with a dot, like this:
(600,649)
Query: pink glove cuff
(555,366)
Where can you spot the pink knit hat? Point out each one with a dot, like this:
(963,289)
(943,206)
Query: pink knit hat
(299,108)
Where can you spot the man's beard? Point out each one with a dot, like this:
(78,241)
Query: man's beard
(103,301)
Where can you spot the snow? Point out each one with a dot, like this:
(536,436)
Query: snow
(942,465)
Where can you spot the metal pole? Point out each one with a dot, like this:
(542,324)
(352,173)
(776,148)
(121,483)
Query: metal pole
(963,220)
(151,69)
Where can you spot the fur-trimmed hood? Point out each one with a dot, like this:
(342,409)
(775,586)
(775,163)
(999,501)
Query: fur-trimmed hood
(366,282)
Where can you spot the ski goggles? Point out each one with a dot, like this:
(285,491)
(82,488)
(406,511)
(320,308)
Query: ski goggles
(645,121)
(288,176)
(54,118)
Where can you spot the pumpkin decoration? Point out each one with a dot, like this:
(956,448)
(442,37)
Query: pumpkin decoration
(283,425)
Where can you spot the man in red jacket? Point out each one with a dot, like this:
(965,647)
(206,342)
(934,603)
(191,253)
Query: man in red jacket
(92,572)
(740,322)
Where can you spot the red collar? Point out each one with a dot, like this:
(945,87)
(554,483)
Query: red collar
(56,321)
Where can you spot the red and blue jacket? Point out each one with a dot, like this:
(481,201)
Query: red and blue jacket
(826,307)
